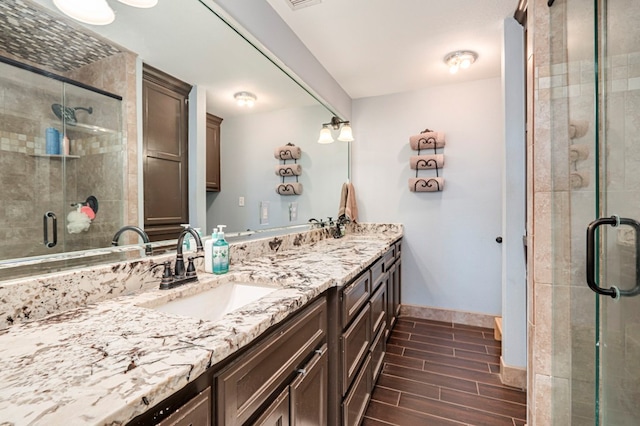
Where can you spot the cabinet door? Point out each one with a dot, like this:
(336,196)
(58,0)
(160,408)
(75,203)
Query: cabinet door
(248,383)
(391,318)
(165,135)
(397,287)
(309,392)
(213,153)
(278,413)
(196,412)
(379,306)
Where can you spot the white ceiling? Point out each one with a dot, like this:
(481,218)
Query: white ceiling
(376,47)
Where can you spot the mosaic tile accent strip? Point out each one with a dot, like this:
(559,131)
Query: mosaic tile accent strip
(31,33)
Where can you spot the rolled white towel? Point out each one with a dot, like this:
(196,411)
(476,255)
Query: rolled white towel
(579,180)
(287,152)
(427,140)
(578,128)
(289,170)
(294,188)
(426,184)
(421,162)
(578,152)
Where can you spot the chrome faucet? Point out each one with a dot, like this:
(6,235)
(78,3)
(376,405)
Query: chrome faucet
(145,238)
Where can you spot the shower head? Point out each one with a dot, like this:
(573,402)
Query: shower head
(68,114)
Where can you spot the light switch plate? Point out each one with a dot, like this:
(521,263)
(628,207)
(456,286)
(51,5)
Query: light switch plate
(241,202)
(264,213)
(293,211)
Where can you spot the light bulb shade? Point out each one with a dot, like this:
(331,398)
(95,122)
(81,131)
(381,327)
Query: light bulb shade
(245,99)
(140,3)
(346,135)
(325,135)
(460,59)
(94,12)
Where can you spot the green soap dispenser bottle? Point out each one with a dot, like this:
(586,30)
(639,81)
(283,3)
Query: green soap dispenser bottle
(221,253)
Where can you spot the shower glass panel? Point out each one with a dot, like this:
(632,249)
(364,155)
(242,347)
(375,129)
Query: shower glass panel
(595,104)
(60,144)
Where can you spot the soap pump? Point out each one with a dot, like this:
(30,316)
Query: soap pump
(220,253)
(208,251)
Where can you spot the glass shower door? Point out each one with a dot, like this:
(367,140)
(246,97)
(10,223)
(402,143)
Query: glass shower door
(616,263)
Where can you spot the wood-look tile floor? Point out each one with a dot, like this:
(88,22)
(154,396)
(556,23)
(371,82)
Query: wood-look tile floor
(438,373)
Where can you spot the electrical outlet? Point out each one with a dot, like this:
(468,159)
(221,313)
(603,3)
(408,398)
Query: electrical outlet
(241,202)
(264,213)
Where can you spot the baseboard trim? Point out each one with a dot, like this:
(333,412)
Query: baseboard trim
(513,376)
(448,315)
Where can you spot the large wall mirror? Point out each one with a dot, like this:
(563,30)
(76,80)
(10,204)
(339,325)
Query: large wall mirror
(189,41)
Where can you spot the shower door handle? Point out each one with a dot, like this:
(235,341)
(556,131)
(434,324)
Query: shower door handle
(45,227)
(613,221)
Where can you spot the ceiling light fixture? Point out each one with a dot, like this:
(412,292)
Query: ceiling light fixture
(96,12)
(346,134)
(460,59)
(247,99)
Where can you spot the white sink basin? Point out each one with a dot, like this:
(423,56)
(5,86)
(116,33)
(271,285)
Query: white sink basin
(215,303)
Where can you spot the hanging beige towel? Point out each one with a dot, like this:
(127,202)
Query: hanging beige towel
(422,162)
(426,184)
(578,152)
(289,170)
(427,140)
(287,152)
(343,200)
(351,209)
(293,188)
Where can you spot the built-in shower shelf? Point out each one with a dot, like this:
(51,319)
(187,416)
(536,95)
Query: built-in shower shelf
(55,156)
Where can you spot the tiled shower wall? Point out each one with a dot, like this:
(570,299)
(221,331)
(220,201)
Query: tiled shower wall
(32,184)
(561,203)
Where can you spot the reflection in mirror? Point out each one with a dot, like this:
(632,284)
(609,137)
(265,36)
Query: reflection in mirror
(187,40)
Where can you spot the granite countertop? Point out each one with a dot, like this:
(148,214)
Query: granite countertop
(96,364)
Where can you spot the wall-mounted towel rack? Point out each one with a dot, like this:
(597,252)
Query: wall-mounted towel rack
(427,140)
(284,170)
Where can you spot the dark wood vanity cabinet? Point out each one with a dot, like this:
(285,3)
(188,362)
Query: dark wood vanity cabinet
(292,357)
(318,367)
(213,153)
(196,412)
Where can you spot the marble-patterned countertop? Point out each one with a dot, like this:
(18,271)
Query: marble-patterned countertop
(94,365)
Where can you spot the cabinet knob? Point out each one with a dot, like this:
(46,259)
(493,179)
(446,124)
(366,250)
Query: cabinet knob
(499,240)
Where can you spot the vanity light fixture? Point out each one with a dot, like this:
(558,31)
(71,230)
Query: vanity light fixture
(247,99)
(96,12)
(346,134)
(460,59)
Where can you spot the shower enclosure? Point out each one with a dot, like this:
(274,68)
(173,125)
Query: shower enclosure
(594,83)
(61,144)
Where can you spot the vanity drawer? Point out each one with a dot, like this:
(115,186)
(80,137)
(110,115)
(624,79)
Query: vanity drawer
(378,348)
(377,272)
(389,257)
(378,308)
(247,384)
(398,249)
(195,412)
(355,404)
(353,296)
(355,344)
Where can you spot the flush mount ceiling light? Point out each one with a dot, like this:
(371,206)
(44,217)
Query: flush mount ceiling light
(346,134)
(96,12)
(460,59)
(247,99)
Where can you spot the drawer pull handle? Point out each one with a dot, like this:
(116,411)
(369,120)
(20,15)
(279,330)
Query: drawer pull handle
(302,371)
